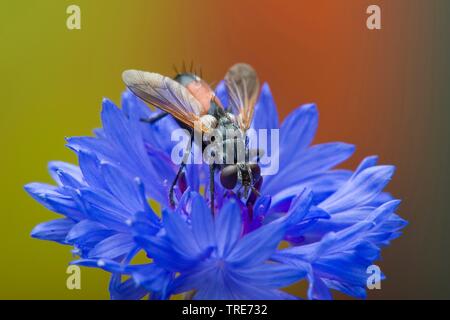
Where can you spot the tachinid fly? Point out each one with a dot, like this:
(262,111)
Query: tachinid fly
(192,102)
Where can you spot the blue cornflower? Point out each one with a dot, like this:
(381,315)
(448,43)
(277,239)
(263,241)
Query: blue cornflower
(99,202)
(341,201)
(212,257)
(301,163)
(216,260)
(139,149)
(335,221)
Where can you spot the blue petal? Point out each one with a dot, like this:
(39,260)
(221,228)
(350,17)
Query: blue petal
(382,213)
(318,290)
(180,234)
(131,103)
(55,230)
(359,190)
(161,250)
(151,277)
(162,165)
(353,291)
(300,207)
(381,198)
(100,147)
(196,174)
(68,180)
(115,128)
(215,287)
(346,267)
(159,133)
(53,199)
(338,222)
(257,246)
(313,161)
(102,207)
(126,290)
(269,276)
(298,131)
(222,94)
(202,223)
(322,157)
(234,290)
(55,167)
(229,227)
(129,146)
(373,220)
(265,115)
(366,163)
(194,278)
(87,232)
(144,223)
(114,247)
(90,166)
(260,210)
(323,185)
(124,188)
(394,223)
(104,264)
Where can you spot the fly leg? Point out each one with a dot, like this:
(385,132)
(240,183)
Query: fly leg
(180,170)
(254,194)
(256,191)
(155,118)
(211,186)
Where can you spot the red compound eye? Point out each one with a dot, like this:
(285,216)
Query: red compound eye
(229,177)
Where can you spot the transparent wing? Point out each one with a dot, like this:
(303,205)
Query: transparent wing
(243,88)
(165,94)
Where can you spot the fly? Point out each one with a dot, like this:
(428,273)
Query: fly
(192,102)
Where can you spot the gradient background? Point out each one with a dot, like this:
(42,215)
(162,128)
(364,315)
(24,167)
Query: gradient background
(386,91)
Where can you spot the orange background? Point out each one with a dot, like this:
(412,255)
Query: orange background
(385,91)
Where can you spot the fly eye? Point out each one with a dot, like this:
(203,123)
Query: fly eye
(256,171)
(229,177)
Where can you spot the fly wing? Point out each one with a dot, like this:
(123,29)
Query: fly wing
(243,88)
(165,94)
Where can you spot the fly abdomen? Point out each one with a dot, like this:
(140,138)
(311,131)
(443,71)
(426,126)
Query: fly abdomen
(198,88)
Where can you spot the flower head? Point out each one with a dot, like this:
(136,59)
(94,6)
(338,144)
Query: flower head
(311,222)
(215,259)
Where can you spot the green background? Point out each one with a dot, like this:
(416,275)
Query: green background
(386,91)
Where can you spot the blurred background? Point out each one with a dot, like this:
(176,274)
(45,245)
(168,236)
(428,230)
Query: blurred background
(387,91)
